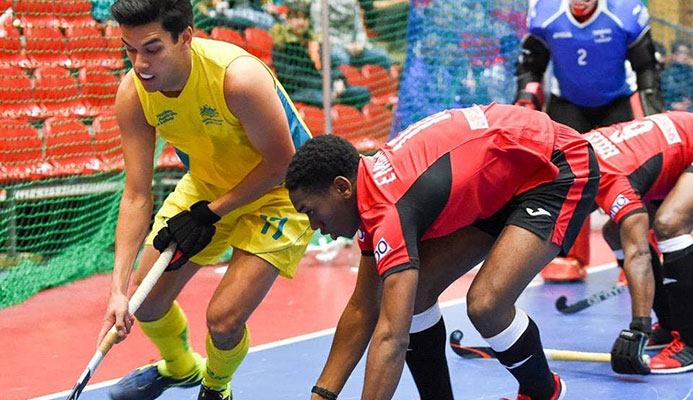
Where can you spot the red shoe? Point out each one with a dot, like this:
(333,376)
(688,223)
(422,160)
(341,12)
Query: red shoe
(622,277)
(558,394)
(677,357)
(659,338)
(564,269)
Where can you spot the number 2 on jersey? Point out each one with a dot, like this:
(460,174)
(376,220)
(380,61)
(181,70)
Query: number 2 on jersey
(582,55)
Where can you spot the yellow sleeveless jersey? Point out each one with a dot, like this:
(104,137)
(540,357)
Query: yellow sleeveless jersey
(209,140)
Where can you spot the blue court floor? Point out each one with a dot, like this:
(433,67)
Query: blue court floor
(288,370)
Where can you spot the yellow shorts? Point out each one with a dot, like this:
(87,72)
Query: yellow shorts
(269,227)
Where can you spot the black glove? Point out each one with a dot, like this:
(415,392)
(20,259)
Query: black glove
(628,350)
(191,230)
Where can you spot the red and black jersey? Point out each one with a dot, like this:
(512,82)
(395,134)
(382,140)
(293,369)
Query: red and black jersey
(641,160)
(449,170)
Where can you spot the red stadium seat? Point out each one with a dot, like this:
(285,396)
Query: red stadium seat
(74,12)
(11,53)
(259,44)
(45,46)
(348,122)
(99,87)
(107,141)
(86,47)
(58,93)
(353,75)
(314,118)
(169,159)
(113,54)
(378,123)
(69,147)
(36,13)
(197,32)
(380,83)
(17,94)
(228,35)
(21,152)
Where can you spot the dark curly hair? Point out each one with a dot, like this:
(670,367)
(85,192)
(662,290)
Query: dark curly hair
(319,161)
(174,15)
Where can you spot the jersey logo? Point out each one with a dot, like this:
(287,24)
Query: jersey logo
(475,117)
(562,35)
(602,35)
(165,116)
(667,127)
(631,130)
(617,205)
(209,115)
(604,148)
(539,211)
(382,248)
(382,170)
(361,235)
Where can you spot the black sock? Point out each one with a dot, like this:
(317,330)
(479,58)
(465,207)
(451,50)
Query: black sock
(678,266)
(427,363)
(534,375)
(661,297)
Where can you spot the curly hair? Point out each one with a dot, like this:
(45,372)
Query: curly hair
(319,161)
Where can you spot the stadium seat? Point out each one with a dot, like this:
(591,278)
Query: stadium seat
(228,35)
(58,93)
(69,147)
(45,46)
(113,54)
(99,87)
(17,95)
(378,120)
(36,13)
(348,122)
(197,32)
(169,159)
(259,44)
(11,53)
(314,118)
(353,75)
(86,47)
(21,152)
(107,144)
(74,13)
(380,83)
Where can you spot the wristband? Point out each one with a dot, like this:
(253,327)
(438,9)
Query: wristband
(324,393)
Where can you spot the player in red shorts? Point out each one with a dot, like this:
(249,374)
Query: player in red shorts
(500,183)
(643,162)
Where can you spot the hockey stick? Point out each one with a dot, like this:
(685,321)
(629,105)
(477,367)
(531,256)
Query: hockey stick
(470,352)
(562,306)
(135,301)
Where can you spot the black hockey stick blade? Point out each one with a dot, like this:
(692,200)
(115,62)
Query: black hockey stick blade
(468,351)
(563,307)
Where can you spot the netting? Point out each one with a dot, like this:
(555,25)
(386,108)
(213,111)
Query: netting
(61,168)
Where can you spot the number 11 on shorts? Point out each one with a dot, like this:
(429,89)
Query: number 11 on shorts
(280,226)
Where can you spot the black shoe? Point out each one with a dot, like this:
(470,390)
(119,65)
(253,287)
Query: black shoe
(211,394)
(146,383)
(659,338)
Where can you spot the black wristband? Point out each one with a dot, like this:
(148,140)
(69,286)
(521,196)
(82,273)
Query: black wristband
(642,324)
(324,393)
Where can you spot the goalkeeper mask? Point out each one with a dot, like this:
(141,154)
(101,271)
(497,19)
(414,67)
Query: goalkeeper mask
(582,9)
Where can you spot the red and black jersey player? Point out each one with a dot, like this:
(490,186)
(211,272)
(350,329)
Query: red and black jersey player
(498,183)
(646,168)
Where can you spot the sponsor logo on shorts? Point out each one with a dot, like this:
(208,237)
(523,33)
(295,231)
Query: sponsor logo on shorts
(382,248)
(361,235)
(537,212)
(617,205)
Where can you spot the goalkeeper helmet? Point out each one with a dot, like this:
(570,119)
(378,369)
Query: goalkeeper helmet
(582,9)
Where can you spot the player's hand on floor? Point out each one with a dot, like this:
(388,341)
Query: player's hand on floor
(117,314)
(628,351)
(191,230)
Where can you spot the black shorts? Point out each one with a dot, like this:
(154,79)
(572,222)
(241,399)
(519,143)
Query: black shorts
(556,209)
(584,119)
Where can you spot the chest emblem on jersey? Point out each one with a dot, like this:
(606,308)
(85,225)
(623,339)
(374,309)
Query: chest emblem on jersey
(210,115)
(602,35)
(165,116)
(382,248)
(562,35)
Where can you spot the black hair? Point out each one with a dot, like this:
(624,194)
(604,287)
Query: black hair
(320,160)
(679,43)
(174,15)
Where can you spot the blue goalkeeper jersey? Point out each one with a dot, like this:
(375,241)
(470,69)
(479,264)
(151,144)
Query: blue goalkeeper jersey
(589,58)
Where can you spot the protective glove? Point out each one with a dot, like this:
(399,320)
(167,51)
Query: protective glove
(531,96)
(191,230)
(628,353)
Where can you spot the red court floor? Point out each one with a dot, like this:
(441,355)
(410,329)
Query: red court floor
(46,342)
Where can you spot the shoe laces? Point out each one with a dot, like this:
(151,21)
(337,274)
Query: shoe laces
(674,347)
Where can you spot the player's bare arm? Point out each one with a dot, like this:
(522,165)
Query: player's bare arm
(389,345)
(354,329)
(638,266)
(251,96)
(138,140)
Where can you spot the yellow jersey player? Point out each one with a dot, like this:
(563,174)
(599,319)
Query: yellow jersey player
(235,130)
